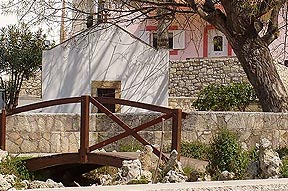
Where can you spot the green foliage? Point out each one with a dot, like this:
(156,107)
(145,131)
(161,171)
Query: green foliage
(282,152)
(284,168)
(15,165)
(129,145)
(253,154)
(215,97)
(142,180)
(195,150)
(20,57)
(226,154)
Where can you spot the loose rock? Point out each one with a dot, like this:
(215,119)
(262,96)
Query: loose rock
(269,160)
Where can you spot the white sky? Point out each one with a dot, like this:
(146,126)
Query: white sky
(7,20)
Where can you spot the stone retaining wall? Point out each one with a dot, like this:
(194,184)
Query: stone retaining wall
(54,133)
(187,78)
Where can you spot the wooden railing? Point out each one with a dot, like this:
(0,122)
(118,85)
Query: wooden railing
(175,114)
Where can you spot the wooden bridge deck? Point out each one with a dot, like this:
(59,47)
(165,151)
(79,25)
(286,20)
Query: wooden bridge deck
(97,159)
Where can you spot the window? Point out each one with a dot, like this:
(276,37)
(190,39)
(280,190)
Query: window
(103,92)
(170,40)
(106,89)
(218,43)
(176,38)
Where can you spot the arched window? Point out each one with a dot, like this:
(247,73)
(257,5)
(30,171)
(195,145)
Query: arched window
(218,43)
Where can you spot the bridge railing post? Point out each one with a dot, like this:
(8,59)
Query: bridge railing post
(3,130)
(176,130)
(84,128)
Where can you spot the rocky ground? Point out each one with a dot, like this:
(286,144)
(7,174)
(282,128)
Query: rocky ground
(143,170)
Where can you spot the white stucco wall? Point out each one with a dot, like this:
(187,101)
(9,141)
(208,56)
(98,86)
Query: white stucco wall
(107,54)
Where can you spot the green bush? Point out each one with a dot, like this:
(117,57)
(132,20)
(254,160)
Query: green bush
(195,150)
(235,96)
(226,154)
(284,168)
(282,152)
(16,165)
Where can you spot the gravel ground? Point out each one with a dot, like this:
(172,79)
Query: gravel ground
(237,185)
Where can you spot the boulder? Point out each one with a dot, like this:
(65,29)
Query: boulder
(269,160)
(173,169)
(146,158)
(3,154)
(226,175)
(130,170)
(48,184)
(106,180)
(174,177)
(7,182)
(173,163)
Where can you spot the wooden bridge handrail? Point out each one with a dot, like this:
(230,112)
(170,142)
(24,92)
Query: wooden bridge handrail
(43,104)
(122,124)
(133,104)
(86,100)
(127,133)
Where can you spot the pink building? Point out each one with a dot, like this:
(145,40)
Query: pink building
(189,36)
(194,40)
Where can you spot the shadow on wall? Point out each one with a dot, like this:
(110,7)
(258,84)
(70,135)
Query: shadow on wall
(110,54)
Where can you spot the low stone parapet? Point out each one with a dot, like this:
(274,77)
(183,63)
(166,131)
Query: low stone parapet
(60,133)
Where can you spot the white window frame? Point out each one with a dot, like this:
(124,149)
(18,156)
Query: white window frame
(178,39)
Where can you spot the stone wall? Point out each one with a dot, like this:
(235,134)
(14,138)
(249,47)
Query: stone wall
(32,87)
(187,78)
(60,132)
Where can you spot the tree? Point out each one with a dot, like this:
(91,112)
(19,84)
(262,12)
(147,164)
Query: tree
(21,57)
(250,27)
(242,22)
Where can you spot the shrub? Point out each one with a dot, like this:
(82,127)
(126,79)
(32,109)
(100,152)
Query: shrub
(195,150)
(226,154)
(282,152)
(16,165)
(284,168)
(215,97)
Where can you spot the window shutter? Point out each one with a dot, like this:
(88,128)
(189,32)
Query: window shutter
(145,36)
(178,39)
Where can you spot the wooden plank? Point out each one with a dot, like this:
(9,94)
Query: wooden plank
(176,131)
(3,130)
(43,105)
(134,104)
(84,128)
(100,159)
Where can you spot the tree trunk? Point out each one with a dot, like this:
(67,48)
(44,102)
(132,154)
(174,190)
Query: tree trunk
(257,62)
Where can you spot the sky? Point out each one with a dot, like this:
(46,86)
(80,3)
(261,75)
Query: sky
(7,20)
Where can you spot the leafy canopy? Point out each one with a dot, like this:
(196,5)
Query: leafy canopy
(20,57)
